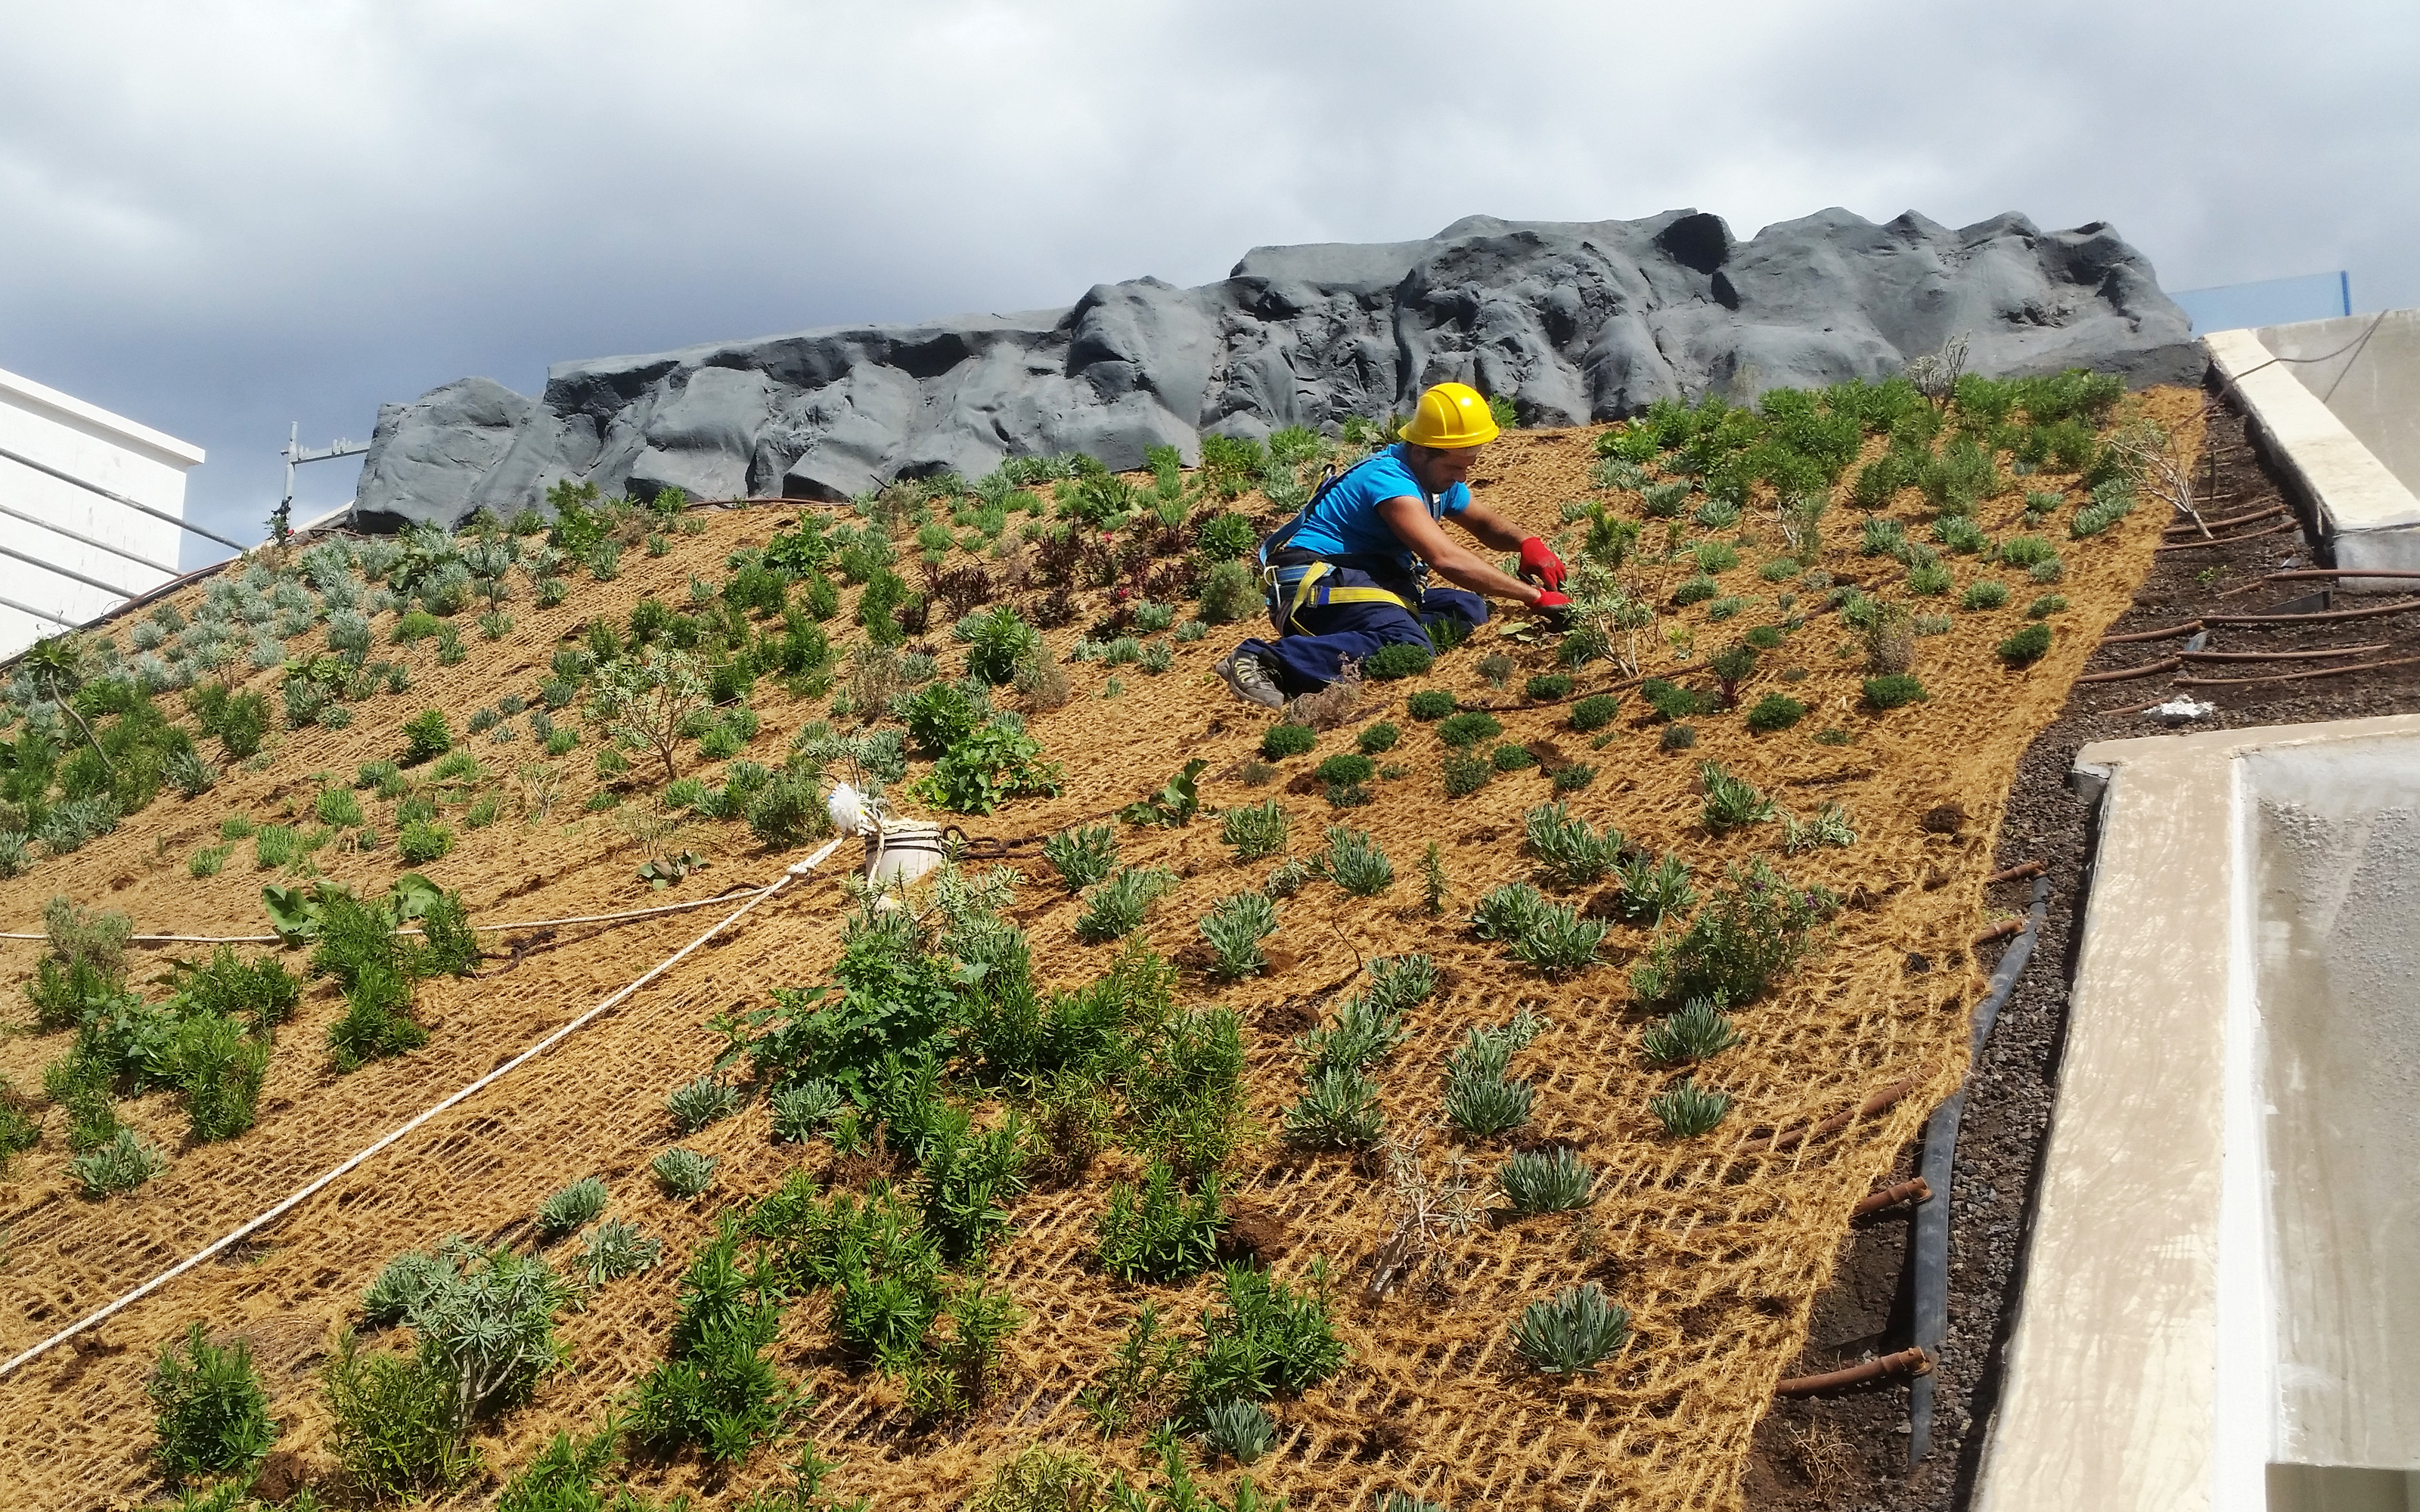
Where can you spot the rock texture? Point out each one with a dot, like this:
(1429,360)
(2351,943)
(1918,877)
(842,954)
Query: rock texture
(1574,321)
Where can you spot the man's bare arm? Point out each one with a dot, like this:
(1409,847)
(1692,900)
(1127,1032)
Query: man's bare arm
(1457,563)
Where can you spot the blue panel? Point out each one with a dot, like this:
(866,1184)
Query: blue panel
(2271,301)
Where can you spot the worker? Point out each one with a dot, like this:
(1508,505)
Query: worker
(1349,572)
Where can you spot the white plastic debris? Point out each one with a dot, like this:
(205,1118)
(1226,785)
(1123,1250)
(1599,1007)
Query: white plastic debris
(847,807)
(2181,709)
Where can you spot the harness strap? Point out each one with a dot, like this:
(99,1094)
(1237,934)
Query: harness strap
(1309,591)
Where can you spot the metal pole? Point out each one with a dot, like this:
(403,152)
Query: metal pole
(121,499)
(66,572)
(112,550)
(37,613)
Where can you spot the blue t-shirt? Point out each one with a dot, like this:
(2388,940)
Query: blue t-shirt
(1345,522)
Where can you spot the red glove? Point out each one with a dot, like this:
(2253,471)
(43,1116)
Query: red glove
(1540,565)
(1553,607)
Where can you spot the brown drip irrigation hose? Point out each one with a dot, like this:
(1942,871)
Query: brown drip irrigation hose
(2000,931)
(1915,1189)
(2306,574)
(2016,873)
(1783,1139)
(2229,522)
(1909,1362)
(2289,677)
(2148,668)
(2324,653)
(2169,634)
(2226,540)
(2324,617)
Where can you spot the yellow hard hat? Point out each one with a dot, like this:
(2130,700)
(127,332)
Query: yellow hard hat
(1451,416)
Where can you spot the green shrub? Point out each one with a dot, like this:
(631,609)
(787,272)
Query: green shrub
(1344,770)
(1082,855)
(1695,1032)
(614,1249)
(996,639)
(1929,579)
(394,1422)
(1748,933)
(1431,703)
(1568,851)
(1573,777)
(1283,740)
(1238,1430)
(1687,1110)
(1229,593)
(1264,1339)
(1512,758)
(2027,646)
(1775,711)
(1356,863)
(1696,590)
(421,843)
(1361,1034)
(2043,608)
(1466,773)
(683,1173)
(125,1163)
(1254,830)
(1469,728)
(1677,737)
(2027,551)
(1985,594)
(210,1411)
(1569,1334)
(1117,906)
(1157,1232)
(1731,803)
(995,763)
(1672,702)
(220,1070)
(337,807)
(426,737)
(571,1207)
(1594,712)
(695,1103)
(1378,738)
(1959,534)
(1548,687)
(1484,1106)
(1893,690)
(1234,927)
(1390,663)
(1545,1180)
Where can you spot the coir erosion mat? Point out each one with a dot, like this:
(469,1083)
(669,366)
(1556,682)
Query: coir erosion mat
(1716,1245)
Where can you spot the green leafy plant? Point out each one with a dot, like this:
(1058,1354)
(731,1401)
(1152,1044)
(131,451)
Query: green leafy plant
(1117,906)
(1466,772)
(1082,855)
(1548,687)
(683,1173)
(996,641)
(1672,702)
(1749,932)
(1893,690)
(1480,1106)
(1830,826)
(571,1207)
(1390,663)
(1509,757)
(1687,1110)
(804,1109)
(1468,729)
(1234,927)
(1361,1034)
(1157,1231)
(125,1163)
(2046,605)
(1264,1339)
(1572,776)
(419,842)
(1378,738)
(1567,849)
(1356,863)
(1571,1331)
(1429,704)
(1695,1032)
(998,761)
(1175,804)
(1985,594)
(1345,770)
(696,1104)
(210,1411)
(1338,1110)
(614,1249)
(1553,1180)
(1283,740)
(1594,712)
(1238,1430)
(1775,711)
(394,1428)
(1254,830)
(426,737)
(2027,646)
(1731,803)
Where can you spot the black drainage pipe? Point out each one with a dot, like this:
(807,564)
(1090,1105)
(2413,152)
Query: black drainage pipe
(1931,1278)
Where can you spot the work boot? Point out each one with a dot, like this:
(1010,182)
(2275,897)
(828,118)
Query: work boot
(1248,676)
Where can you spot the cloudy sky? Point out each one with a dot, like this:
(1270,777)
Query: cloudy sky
(224,216)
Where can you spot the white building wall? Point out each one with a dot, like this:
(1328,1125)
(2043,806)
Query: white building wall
(108,451)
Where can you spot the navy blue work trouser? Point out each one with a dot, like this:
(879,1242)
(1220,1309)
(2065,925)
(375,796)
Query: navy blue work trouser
(1308,655)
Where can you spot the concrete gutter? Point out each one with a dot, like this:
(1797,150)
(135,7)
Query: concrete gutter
(2367,515)
(2142,1371)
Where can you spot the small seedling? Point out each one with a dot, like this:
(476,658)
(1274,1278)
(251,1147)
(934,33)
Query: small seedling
(1545,1180)
(1389,663)
(1569,1334)
(1468,729)
(1378,738)
(1253,831)
(1289,878)
(1893,690)
(683,1173)
(1509,757)
(573,1206)
(1082,855)
(1548,687)
(120,1165)
(1466,773)
(2027,646)
(1431,704)
(1695,1032)
(1830,826)
(1775,711)
(1117,906)
(1432,888)
(1480,1106)
(1687,1110)
(1234,927)
(1497,668)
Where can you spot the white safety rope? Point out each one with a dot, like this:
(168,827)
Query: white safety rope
(319,1182)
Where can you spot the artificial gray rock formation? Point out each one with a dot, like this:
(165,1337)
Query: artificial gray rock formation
(1574,321)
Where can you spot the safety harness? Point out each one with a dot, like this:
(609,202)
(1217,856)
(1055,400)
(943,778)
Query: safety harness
(1293,578)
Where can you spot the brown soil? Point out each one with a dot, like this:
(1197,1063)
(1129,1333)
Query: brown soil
(1850,1451)
(1719,1253)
